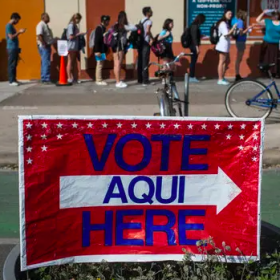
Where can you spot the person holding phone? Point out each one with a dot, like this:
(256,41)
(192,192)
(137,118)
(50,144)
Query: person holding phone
(270,46)
(74,46)
(13,47)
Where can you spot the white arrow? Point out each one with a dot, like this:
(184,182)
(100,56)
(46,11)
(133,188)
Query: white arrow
(199,190)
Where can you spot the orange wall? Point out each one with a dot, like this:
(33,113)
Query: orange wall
(30,12)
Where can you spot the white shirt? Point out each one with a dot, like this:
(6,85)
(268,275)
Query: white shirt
(224,41)
(147,23)
(43,29)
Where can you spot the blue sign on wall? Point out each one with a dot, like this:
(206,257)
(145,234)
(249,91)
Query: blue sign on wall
(212,9)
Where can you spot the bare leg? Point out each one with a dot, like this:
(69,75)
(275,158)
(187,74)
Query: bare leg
(118,58)
(238,62)
(70,66)
(221,65)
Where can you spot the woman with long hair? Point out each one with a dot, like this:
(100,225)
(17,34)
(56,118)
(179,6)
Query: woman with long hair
(270,46)
(223,46)
(241,38)
(195,44)
(122,27)
(74,60)
(167,37)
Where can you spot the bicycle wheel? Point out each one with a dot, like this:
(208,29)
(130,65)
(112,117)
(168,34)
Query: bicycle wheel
(164,105)
(249,99)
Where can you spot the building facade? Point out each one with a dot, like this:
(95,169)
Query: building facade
(60,12)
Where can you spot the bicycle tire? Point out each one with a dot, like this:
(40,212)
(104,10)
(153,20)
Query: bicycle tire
(264,111)
(164,105)
(179,111)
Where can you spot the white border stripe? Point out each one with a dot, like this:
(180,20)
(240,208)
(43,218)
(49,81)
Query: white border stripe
(124,258)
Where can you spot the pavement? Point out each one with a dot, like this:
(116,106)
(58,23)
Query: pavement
(206,99)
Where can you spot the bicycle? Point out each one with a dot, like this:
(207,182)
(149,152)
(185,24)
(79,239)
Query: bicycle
(168,96)
(262,103)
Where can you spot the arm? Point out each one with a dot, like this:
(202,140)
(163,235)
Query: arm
(39,33)
(98,41)
(130,27)
(260,19)
(149,27)
(194,32)
(163,34)
(13,36)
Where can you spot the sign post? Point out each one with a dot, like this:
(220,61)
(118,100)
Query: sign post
(213,10)
(129,189)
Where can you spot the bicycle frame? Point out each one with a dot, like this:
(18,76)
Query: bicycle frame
(265,103)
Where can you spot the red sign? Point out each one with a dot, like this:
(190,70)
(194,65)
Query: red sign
(137,189)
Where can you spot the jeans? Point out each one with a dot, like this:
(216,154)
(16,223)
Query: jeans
(143,62)
(193,61)
(45,53)
(13,55)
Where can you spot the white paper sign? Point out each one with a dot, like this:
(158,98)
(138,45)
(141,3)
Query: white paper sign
(62,48)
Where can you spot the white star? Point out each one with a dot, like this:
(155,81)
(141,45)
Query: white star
(59,125)
(44,125)
(134,125)
(176,126)
(190,126)
(75,125)
(162,126)
(241,137)
(230,126)
(44,148)
(204,126)
(59,137)
(228,137)
(217,126)
(29,161)
(29,125)
(254,159)
(256,126)
(243,126)
(119,125)
(29,149)
(90,125)
(105,125)
(44,136)
(148,125)
(241,148)
(28,137)
(255,148)
(255,137)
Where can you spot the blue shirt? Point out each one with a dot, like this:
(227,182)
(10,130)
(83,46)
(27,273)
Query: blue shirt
(240,25)
(12,44)
(272,32)
(168,39)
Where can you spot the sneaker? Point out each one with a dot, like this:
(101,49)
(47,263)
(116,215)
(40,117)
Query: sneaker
(238,78)
(194,80)
(14,84)
(163,81)
(78,81)
(102,83)
(223,83)
(121,85)
(70,81)
(47,83)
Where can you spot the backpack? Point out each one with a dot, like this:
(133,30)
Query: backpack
(136,37)
(64,34)
(111,37)
(235,34)
(158,47)
(214,34)
(92,37)
(186,38)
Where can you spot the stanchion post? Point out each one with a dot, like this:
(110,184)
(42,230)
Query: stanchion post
(186,107)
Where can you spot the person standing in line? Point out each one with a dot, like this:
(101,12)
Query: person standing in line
(100,49)
(223,46)
(270,46)
(74,56)
(241,39)
(122,27)
(13,48)
(145,48)
(44,42)
(195,44)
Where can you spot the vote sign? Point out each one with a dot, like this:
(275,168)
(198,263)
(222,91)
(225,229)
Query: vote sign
(137,189)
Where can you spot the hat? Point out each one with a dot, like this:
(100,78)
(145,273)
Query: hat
(105,18)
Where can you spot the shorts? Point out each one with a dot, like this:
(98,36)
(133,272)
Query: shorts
(241,46)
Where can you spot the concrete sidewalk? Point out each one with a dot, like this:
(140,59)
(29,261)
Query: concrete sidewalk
(206,99)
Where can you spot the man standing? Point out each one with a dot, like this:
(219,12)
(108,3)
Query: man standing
(44,41)
(100,49)
(13,48)
(145,49)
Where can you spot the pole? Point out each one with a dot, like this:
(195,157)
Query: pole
(186,107)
